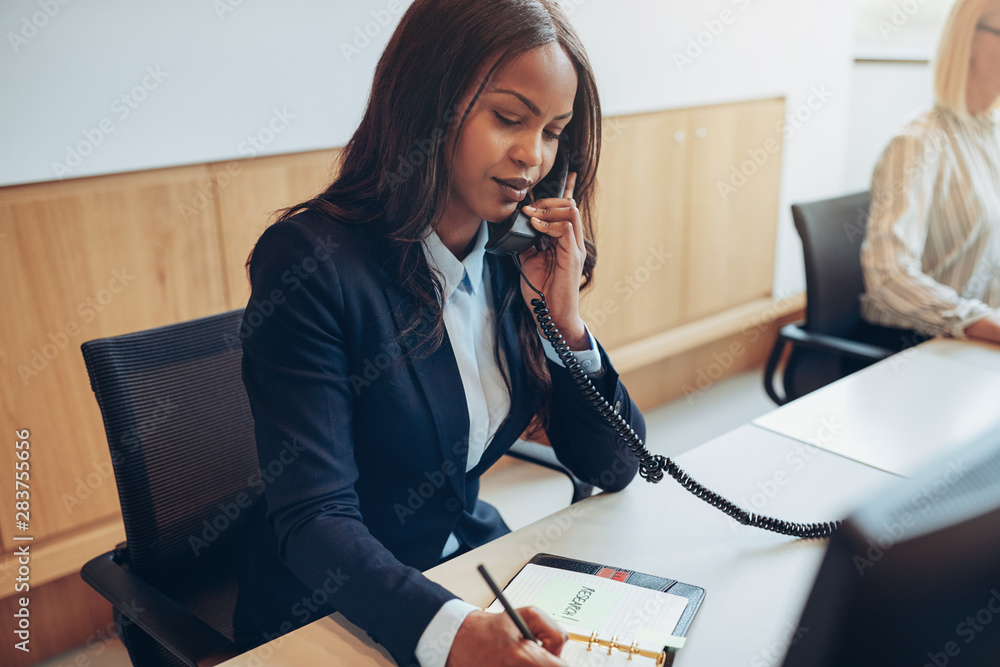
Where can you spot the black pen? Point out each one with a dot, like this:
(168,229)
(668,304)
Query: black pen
(516,617)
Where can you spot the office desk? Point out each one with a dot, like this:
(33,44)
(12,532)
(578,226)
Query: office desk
(896,414)
(756,582)
(975,353)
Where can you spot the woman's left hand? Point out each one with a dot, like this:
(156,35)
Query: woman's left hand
(558,271)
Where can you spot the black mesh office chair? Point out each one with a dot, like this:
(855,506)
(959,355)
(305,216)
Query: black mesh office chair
(825,347)
(182,446)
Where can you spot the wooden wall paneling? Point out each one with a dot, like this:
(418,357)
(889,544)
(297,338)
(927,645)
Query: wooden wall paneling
(64,614)
(79,260)
(736,174)
(6,543)
(253,190)
(640,228)
(742,319)
(694,372)
(56,557)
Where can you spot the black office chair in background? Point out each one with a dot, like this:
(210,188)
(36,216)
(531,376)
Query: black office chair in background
(182,444)
(826,347)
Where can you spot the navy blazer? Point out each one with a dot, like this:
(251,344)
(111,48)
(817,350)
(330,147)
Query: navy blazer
(363,451)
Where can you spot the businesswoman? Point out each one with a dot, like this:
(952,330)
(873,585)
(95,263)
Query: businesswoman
(400,361)
(931,254)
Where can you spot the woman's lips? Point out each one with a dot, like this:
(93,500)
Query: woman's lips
(510,193)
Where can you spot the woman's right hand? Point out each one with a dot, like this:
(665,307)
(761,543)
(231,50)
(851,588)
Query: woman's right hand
(987,329)
(492,640)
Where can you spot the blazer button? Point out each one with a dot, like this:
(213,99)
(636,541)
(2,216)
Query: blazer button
(618,407)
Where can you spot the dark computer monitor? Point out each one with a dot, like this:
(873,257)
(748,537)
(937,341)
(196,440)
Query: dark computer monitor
(912,578)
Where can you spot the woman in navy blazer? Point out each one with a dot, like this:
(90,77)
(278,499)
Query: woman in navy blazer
(360,412)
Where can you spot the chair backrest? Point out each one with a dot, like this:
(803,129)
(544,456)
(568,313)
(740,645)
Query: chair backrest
(181,435)
(832,231)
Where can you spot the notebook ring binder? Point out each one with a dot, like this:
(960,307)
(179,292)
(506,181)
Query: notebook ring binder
(633,649)
(614,645)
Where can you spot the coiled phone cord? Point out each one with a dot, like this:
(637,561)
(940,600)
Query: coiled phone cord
(652,467)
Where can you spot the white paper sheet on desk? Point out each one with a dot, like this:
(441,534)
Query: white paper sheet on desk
(584,603)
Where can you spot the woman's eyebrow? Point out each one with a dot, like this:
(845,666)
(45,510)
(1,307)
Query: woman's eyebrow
(528,103)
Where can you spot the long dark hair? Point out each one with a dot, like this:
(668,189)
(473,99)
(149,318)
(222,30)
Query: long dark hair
(392,178)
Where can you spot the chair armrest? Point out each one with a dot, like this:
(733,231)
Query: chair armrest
(840,346)
(543,455)
(797,336)
(185,635)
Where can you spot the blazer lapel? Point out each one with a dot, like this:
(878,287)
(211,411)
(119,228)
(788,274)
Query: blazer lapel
(441,383)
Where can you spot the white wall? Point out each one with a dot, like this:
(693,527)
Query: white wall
(224,73)
(277,70)
(883,97)
(893,79)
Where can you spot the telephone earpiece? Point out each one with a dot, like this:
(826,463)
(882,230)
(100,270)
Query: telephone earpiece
(515,235)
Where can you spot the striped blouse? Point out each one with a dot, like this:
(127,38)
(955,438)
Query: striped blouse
(931,254)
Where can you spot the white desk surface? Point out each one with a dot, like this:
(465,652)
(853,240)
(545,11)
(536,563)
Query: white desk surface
(900,412)
(983,355)
(756,582)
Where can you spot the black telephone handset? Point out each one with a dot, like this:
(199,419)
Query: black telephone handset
(515,236)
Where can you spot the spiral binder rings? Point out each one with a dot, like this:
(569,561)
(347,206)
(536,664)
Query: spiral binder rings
(612,645)
(612,615)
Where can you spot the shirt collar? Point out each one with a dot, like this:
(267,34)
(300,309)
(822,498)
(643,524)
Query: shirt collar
(454,272)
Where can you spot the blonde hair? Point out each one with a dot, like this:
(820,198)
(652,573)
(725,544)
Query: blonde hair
(954,54)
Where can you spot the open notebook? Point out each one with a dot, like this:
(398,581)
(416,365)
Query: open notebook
(612,615)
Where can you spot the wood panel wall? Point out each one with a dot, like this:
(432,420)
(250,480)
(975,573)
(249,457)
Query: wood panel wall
(675,245)
(81,260)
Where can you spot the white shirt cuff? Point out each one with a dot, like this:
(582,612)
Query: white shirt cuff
(589,360)
(435,643)
(976,311)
